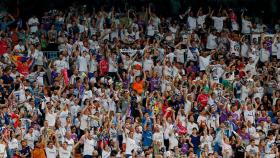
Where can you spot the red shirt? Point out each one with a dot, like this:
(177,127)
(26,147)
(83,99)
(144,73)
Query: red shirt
(3,47)
(203,99)
(104,67)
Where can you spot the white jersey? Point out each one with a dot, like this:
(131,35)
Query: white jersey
(234,48)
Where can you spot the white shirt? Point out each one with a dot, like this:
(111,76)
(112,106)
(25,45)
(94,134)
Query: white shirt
(112,65)
(50,117)
(200,20)
(88,146)
(20,95)
(219,22)
(51,153)
(130,145)
(70,143)
(150,30)
(249,115)
(84,122)
(60,64)
(244,50)
(13,144)
(245,26)
(192,23)
(180,55)
(64,153)
(278,50)
(3,151)
(158,136)
(204,62)
(244,93)
(30,140)
(93,66)
(33,24)
(82,62)
(19,48)
(148,64)
(264,55)
(234,48)
(190,127)
(211,42)
(252,149)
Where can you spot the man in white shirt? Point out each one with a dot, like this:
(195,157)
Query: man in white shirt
(51,151)
(218,21)
(30,138)
(246,24)
(211,41)
(33,23)
(60,64)
(64,151)
(252,150)
(83,63)
(130,145)
(191,125)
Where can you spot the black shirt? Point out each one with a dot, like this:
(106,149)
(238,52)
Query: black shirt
(239,152)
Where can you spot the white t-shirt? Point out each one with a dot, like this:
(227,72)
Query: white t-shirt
(252,149)
(13,144)
(234,48)
(33,24)
(245,26)
(64,153)
(264,55)
(244,93)
(50,117)
(278,50)
(89,146)
(93,66)
(173,142)
(3,151)
(249,115)
(244,50)
(60,64)
(192,23)
(211,42)
(259,93)
(158,136)
(130,145)
(150,30)
(39,56)
(219,22)
(148,64)
(70,143)
(30,140)
(180,55)
(20,95)
(51,153)
(204,62)
(112,65)
(190,127)
(84,122)
(82,62)
(200,20)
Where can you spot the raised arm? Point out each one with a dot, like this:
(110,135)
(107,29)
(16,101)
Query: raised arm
(199,10)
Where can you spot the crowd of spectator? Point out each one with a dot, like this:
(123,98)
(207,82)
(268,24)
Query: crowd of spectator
(132,84)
